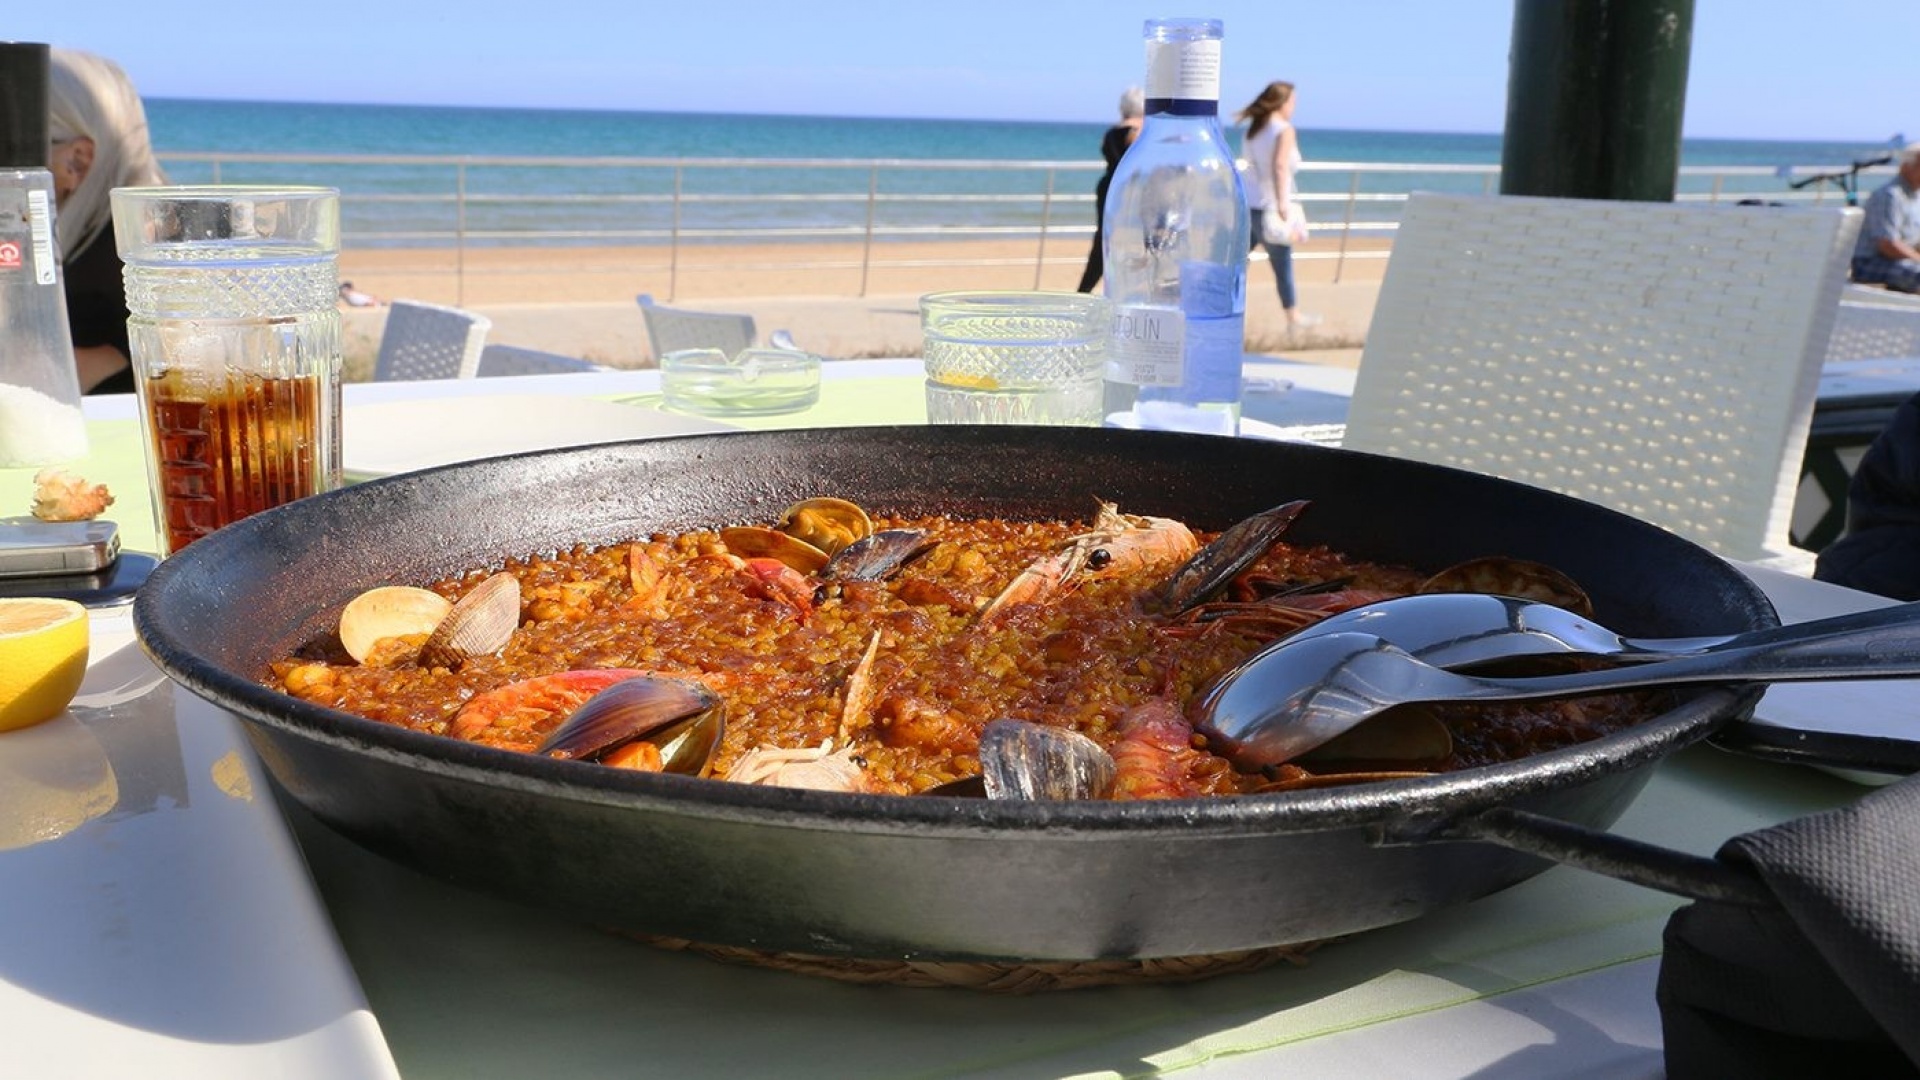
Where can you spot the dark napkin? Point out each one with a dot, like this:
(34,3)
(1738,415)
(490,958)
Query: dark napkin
(1823,981)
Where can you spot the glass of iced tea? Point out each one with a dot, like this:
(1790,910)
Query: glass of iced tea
(236,347)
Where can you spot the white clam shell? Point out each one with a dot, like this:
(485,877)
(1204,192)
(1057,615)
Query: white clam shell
(481,623)
(389,611)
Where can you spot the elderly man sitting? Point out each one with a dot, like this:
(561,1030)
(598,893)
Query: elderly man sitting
(1888,251)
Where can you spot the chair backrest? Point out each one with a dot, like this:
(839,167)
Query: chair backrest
(1870,330)
(514,360)
(1658,358)
(430,341)
(674,328)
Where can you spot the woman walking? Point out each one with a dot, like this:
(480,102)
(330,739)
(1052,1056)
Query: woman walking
(1273,151)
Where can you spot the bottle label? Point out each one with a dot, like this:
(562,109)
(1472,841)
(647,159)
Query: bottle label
(1183,70)
(1148,346)
(40,220)
(15,240)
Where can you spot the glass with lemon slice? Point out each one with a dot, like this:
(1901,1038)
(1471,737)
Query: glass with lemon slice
(1014,357)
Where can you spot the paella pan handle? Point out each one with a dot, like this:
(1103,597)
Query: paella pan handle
(1633,861)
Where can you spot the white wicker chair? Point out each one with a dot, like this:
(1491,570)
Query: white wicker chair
(1872,324)
(514,360)
(671,329)
(430,341)
(1658,358)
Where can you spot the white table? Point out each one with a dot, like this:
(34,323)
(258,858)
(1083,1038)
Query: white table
(166,925)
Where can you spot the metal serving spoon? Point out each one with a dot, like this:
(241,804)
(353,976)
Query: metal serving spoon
(1299,693)
(1456,630)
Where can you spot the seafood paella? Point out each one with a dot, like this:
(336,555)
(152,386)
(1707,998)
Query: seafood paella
(846,649)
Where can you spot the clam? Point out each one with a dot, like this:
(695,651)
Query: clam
(827,524)
(648,722)
(876,557)
(758,542)
(1021,760)
(480,623)
(386,612)
(1505,576)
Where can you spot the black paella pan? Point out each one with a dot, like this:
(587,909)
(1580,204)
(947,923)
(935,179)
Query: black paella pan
(890,877)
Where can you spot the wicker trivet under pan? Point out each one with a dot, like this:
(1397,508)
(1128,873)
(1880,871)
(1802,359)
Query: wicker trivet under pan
(1001,978)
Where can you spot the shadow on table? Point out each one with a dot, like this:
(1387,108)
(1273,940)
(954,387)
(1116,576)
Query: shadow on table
(469,985)
(140,872)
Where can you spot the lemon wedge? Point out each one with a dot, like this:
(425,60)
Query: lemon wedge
(43,658)
(971,382)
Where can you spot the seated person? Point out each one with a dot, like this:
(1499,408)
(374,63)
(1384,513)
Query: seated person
(1888,251)
(1880,552)
(98,130)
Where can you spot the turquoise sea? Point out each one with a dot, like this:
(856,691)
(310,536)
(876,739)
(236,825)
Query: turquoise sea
(412,203)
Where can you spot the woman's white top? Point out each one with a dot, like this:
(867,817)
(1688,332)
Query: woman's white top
(1259,152)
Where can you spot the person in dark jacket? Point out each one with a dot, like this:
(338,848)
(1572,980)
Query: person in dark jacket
(1880,551)
(1113,146)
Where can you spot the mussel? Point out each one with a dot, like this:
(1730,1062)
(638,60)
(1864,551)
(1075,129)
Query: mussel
(649,723)
(1022,760)
(760,542)
(387,612)
(827,524)
(876,557)
(478,625)
(810,532)
(1215,566)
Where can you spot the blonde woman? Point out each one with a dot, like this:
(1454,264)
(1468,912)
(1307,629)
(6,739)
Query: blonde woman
(1272,149)
(99,134)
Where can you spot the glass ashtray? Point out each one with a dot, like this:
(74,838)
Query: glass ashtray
(757,382)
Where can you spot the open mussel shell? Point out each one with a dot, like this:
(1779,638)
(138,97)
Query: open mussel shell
(876,557)
(387,612)
(1505,576)
(682,720)
(1021,760)
(1213,567)
(827,524)
(478,625)
(759,542)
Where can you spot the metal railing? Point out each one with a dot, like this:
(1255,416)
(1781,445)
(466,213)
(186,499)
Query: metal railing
(686,210)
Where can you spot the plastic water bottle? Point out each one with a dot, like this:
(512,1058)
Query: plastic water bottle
(1176,231)
(40,418)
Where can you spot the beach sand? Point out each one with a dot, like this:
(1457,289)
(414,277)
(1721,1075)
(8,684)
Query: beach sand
(581,301)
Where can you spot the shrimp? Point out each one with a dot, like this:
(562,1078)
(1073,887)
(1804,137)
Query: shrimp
(1117,545)
(518,715)
(1155,757)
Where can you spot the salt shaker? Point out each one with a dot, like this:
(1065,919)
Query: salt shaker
(40,418)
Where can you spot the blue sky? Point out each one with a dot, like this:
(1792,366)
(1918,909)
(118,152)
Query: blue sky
(1760,68)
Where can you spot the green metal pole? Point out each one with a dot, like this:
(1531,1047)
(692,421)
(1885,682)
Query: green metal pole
(1596,90)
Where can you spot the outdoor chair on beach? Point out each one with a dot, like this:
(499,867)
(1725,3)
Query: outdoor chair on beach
(677,328)
(514,360)
(430,341)
(1658,358)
